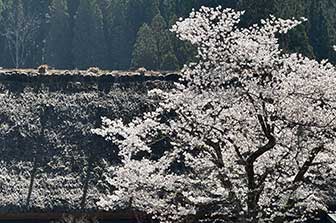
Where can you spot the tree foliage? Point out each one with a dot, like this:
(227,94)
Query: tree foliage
(145,49)
(119,21)
(248,137)
(89,41)
(162,38)
(58,40)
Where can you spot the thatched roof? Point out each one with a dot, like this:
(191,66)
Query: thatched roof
(50,161)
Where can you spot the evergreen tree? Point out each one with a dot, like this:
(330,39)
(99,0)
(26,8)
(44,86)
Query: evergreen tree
(89,42)
(58,53)
(145,49)
(39,10)
(169,62)
(184,7)
(151,8)
(105,7)
(121,33)
(322,31)
(3,54)
(297,40)
(72,6)
(168,9)
(255,10)
(215,3)
(162,38)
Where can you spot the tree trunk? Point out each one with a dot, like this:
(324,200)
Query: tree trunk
(252,211)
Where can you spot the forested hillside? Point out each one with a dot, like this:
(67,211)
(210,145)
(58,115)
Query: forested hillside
(126,34)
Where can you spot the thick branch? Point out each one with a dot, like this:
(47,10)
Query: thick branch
(305,167)
(267,130)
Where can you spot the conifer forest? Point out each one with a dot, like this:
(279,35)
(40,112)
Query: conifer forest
(127,34)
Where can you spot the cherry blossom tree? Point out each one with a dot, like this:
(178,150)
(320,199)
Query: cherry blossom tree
(248,136)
